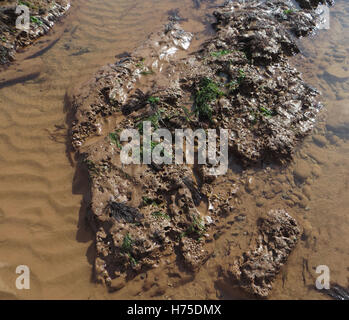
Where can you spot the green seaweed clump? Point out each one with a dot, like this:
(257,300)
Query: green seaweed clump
(207,92)
(127,243)
(114,137)
(220,53)
(36,20)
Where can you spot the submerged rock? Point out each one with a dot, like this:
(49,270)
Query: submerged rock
(239,80)
(256,270)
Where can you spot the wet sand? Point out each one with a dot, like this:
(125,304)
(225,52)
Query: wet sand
(42,221)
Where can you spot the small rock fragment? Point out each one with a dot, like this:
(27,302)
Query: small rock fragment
(256,270)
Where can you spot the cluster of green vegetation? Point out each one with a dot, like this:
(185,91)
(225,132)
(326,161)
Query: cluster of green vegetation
(220,53)
(196,228)
(141,63)
(266,112)
(26,3)
(242,75)
(127,243)
(126,248)
(208,91)
(115,138)
(153,100)
(161,215)
(36,20)
(147,72)
(154,119)
(224,52)
(133,260)
(288,11)
(153,144)
(157,214)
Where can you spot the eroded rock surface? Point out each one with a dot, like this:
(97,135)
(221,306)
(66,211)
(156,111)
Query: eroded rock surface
(239,80)
(256,270)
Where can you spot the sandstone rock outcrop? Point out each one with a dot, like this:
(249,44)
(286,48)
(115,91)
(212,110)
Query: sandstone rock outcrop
(239,80)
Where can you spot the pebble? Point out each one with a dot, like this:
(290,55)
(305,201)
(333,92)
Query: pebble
(250,184)
(260,202)
(143,276)
(240,217)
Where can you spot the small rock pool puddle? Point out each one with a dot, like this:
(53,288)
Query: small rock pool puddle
(42,222)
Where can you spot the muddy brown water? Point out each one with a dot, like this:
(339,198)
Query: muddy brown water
(41,214)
